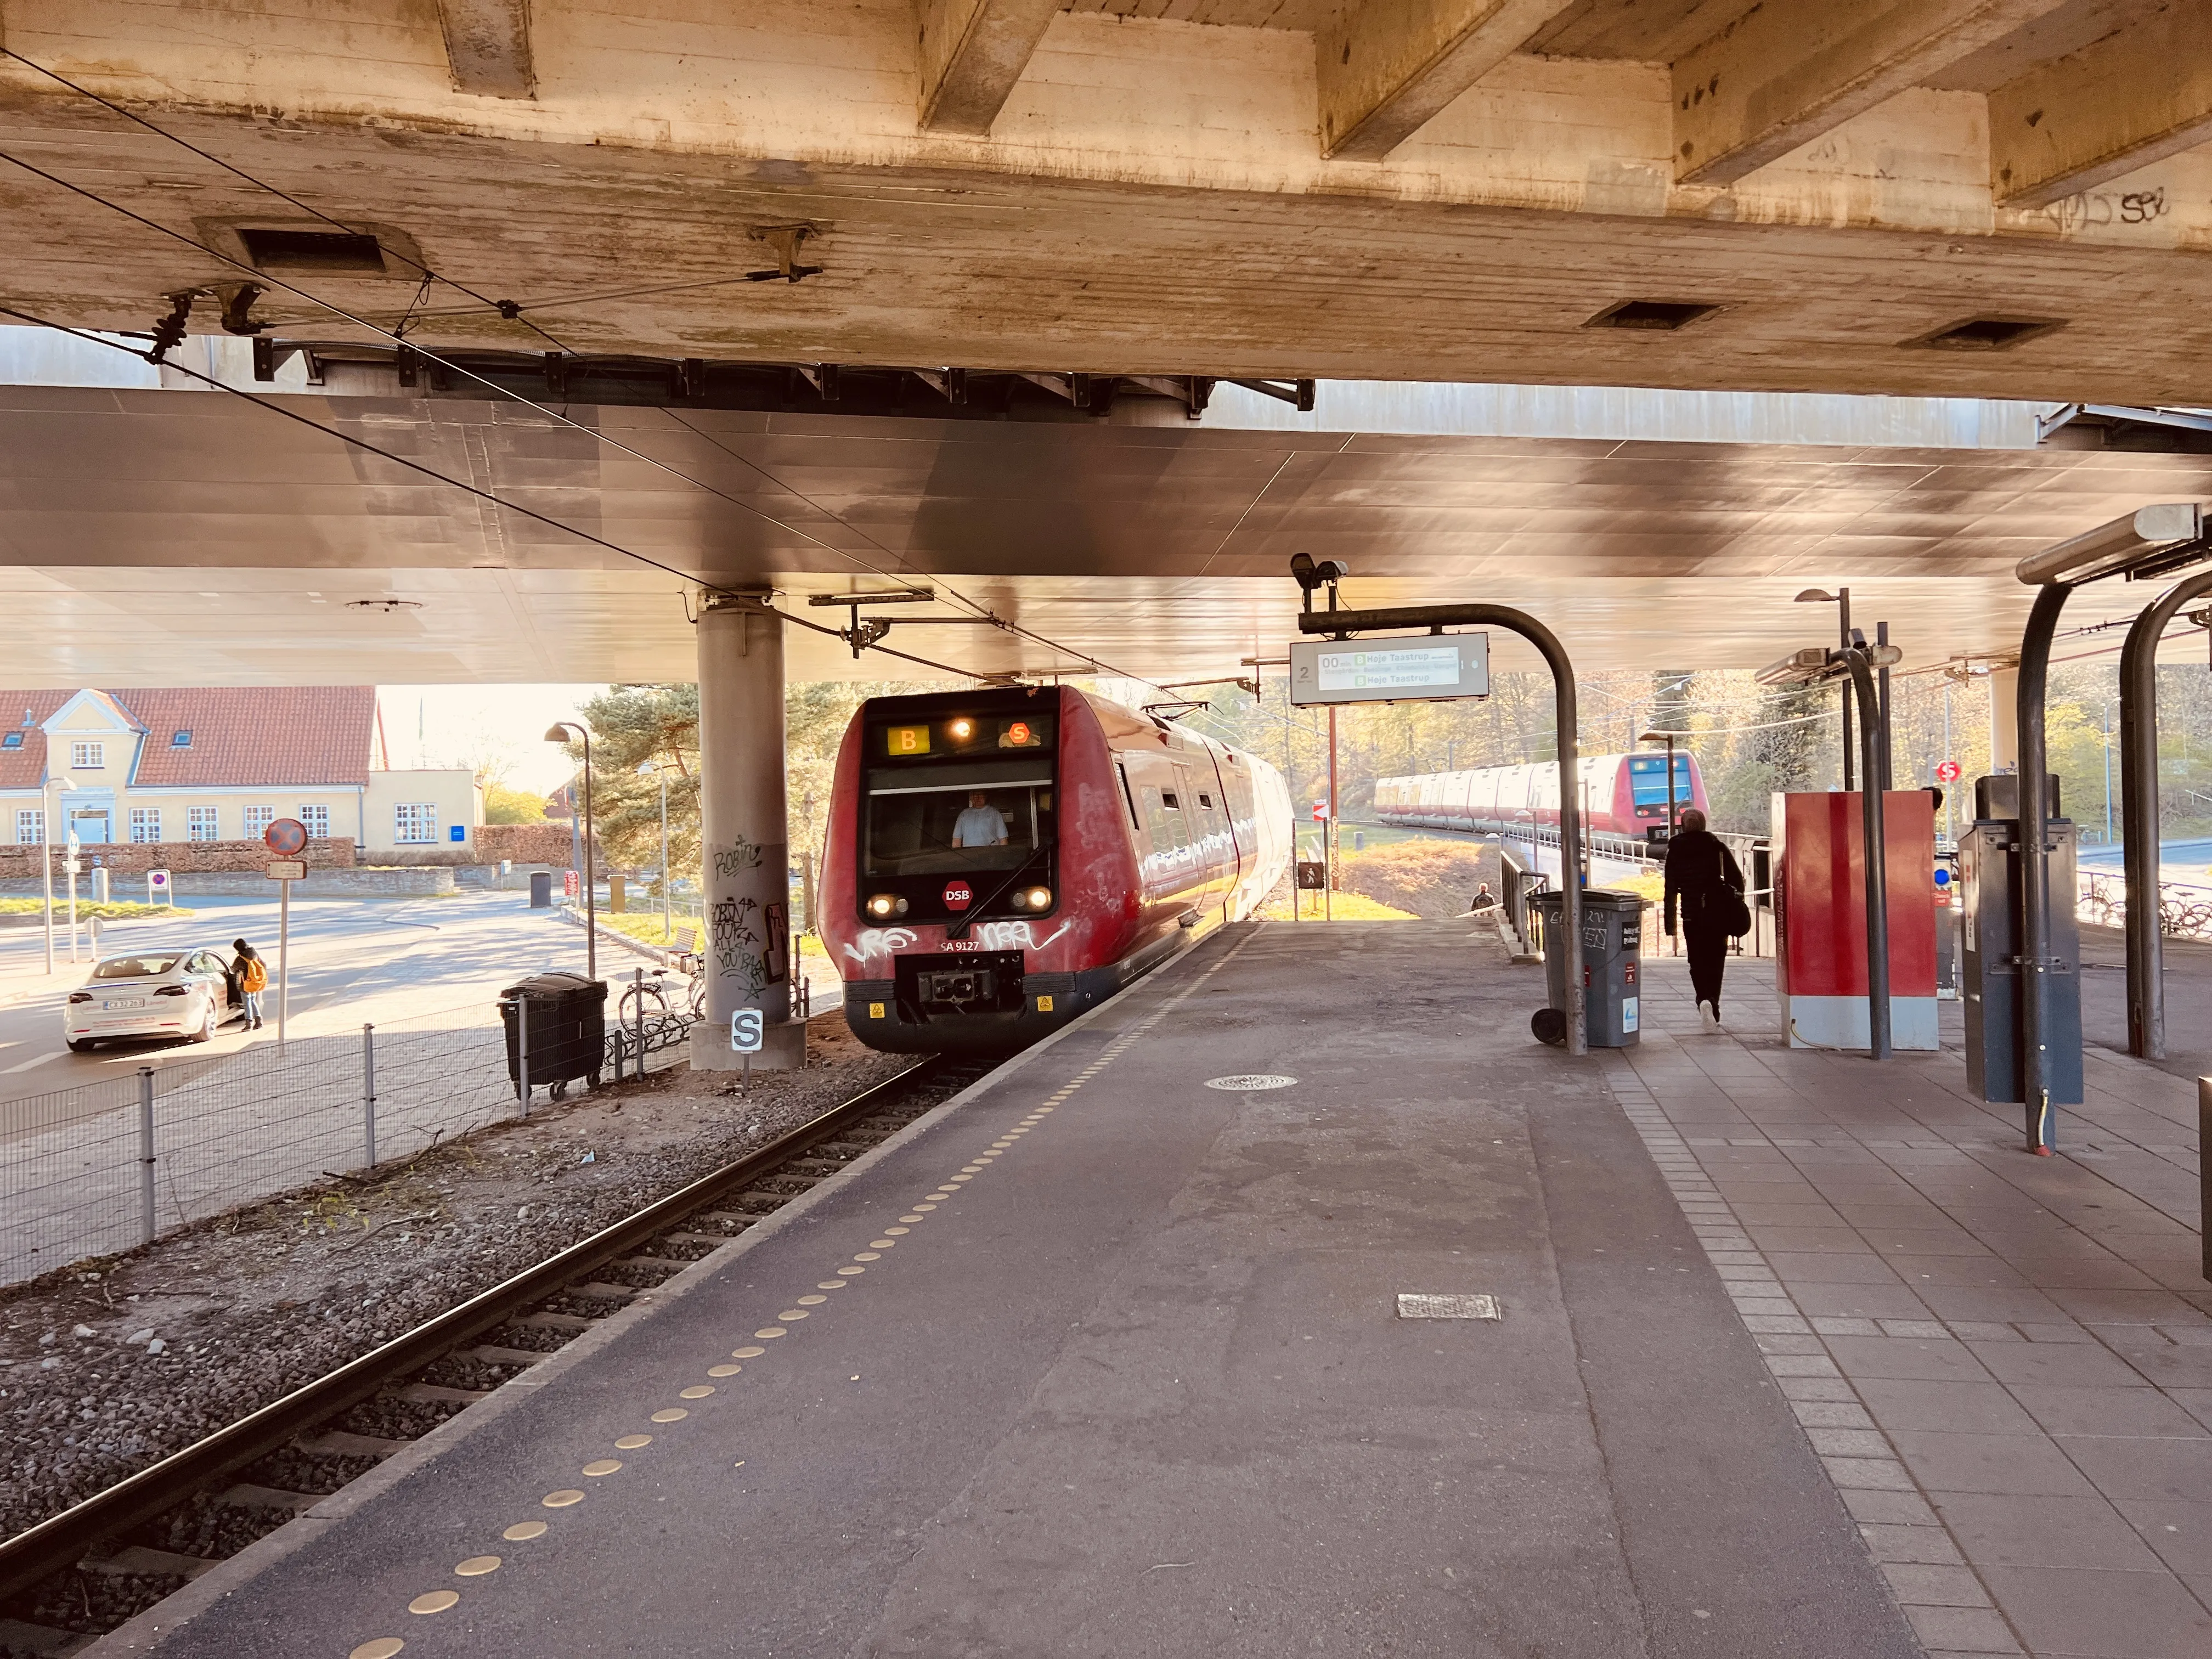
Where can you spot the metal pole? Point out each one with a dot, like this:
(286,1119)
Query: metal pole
(369,1094)
(2108,771)
(1328,829)
(283,957)
(591,899)
(1875,848)
(2139,814)
(522,1049)
(1882,692)
(667,917)
(1843,606)
(1672,823)
(1948,827)
(145,1155)
(1562,682)
(2204,1165)
(637,1023)
(2035,868)
(68,866)
(47,866)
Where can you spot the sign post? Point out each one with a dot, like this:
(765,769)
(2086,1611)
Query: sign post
(745,1032)
(71,866)
(286,838)
(157,887)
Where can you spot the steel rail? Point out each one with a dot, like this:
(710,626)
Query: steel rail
(58,1543)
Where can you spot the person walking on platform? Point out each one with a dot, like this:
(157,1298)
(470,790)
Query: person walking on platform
(1703,879)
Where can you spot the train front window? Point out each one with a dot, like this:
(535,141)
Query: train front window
(1647,779)
(914,828)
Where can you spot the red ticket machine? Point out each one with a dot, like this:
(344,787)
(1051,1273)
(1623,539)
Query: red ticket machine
(1820,909)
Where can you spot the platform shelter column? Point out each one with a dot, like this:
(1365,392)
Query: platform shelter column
(2004,719)
(745,844)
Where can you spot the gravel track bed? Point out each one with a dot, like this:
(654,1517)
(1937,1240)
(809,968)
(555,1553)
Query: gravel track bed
(110,1365)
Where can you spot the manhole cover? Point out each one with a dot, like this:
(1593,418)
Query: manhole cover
(1250,1080)
(1411,1306)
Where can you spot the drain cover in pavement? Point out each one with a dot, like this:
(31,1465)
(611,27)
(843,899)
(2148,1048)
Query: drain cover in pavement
(1250,1080)
(1411,1306)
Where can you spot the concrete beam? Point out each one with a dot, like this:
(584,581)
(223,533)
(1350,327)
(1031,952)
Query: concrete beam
(2138,95)
(1386,67)
(972,53)
(1788,71)
(488,44)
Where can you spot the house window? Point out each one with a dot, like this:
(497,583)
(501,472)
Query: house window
(12,740)
(30,826)
(316,821)
(88,754)
(200,824)
(180,739)
(145,823)
(258,820)
(415,821)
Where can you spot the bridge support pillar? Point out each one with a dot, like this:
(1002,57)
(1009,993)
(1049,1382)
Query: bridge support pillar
(744,845)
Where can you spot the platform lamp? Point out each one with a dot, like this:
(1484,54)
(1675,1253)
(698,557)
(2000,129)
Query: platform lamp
(1842,599)
(667,919)
(559,733)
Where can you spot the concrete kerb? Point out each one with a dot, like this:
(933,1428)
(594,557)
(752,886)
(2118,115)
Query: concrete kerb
(149,1629)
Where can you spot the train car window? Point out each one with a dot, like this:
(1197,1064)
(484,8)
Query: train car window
(1206,801)
(963,827)
(1123,773)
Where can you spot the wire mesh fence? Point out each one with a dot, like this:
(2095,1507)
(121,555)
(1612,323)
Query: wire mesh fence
(109,1166)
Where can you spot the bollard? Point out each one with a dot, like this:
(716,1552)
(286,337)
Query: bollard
(369,1094)
(145,1155)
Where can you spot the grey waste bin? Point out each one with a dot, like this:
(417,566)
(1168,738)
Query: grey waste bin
(564,1018)
(541,889)
(1613,958)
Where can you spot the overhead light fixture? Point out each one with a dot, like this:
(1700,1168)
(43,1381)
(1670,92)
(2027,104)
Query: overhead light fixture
(897,596)
(1662,315)
(386,605)
(1820,662)
(1987,333)
(2148,541)
(1815,596)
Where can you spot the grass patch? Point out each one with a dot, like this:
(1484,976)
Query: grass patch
(112,911)
(1343,906)
(645,927)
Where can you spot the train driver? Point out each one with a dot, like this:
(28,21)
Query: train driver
(981,825)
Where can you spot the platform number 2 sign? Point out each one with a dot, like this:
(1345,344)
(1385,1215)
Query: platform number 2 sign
(745,1032)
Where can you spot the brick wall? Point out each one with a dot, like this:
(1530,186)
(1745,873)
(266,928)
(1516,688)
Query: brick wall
(136,857)
(526,843)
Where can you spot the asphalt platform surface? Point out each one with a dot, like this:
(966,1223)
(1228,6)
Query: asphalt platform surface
(1138,1384)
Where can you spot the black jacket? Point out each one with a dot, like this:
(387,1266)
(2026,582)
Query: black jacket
(1699,865)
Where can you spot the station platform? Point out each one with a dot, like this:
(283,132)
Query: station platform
(1119,1365)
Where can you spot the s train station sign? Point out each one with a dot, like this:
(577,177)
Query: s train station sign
(1410,668)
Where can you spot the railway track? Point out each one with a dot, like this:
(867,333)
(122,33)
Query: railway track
(91,1568)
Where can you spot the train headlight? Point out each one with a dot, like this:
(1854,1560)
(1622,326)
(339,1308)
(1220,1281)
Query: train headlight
(961,730)
(884,906)
(1033,898)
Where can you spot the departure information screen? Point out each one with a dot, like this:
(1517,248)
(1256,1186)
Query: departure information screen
(1408,669)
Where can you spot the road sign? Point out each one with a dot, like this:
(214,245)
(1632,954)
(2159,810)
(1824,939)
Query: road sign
(745,1026)
(288,870)
(157,887)
(1409,668)
(1320,811)
(286,837)
(571,885)
(1947,772)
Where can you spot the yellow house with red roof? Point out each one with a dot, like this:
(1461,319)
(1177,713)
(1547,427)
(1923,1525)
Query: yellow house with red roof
(220,763)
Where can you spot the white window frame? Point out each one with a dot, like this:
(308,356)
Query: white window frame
(258,820)
(143,820)
(87,755)
(30,826)
(202,824)
(316,821)
(409,818)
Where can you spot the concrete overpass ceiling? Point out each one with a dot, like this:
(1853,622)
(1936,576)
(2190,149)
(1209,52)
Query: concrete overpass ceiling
(1450,192)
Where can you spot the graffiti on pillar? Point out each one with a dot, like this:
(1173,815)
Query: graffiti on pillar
(740,856)
(736,940)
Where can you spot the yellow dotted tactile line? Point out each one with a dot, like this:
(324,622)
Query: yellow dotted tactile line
(479,1566)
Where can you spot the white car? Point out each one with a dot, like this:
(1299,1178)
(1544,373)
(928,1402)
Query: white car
(169,992)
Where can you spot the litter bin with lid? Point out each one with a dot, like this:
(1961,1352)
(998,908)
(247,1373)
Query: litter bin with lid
(1612,959)
(541,889)
(556,1031)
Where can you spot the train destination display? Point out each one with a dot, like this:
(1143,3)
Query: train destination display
(1406,668)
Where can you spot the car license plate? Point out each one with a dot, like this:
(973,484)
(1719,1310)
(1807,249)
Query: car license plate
(123,1002)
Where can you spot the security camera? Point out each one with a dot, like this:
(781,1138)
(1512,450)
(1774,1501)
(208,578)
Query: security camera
(1311,576)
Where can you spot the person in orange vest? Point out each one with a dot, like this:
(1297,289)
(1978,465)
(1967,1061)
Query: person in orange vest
(253,980)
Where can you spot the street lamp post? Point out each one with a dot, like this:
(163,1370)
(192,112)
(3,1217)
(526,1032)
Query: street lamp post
(60,783)
(667,919)
(559,732)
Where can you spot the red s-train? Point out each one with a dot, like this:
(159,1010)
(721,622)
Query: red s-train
(999,861)
(1622,795)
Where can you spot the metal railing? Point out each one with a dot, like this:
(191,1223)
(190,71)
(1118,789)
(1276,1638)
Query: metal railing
(110,1166)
